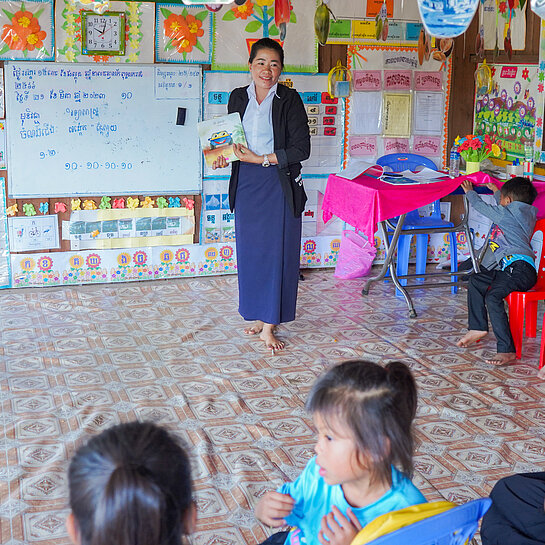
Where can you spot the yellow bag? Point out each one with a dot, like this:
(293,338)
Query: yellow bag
(390,522)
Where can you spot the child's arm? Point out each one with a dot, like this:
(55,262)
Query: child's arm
(491,211)
(336,529)
(273,508)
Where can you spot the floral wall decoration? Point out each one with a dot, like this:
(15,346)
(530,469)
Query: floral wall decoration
(184,34)
(237,27)
(139,31)
(27,30)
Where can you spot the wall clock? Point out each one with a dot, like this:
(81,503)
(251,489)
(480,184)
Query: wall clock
(103,34)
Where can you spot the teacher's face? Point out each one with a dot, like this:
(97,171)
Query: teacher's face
(265,69)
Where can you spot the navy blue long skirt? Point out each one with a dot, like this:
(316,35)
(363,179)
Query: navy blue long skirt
(268,239)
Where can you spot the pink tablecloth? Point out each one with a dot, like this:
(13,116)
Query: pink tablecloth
(365,201)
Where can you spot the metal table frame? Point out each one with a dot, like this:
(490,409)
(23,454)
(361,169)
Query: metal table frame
(391,245)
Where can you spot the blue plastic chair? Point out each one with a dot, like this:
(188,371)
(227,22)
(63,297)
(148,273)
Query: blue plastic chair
(398,162)
(453,527)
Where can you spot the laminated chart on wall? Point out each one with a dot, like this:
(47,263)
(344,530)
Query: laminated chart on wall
(126,228)
(326,115)
(95,130)
(5,257)
(139,32)
(539,151)
(361,23)
(218,222)
(237,27)
(508,112)
(398,105)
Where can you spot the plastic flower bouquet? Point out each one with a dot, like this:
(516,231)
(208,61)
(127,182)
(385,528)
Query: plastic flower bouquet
(477,148)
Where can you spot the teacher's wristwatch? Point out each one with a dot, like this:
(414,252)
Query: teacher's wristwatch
(266,162)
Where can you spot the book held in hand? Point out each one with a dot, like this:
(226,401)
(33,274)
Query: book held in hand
(217,136)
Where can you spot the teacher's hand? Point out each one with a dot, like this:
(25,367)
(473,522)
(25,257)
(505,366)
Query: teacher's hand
(220,162)
(467,186)
(245,154)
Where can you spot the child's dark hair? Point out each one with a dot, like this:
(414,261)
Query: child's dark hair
(519,189)
(377,404)
(131,485)
(266,43)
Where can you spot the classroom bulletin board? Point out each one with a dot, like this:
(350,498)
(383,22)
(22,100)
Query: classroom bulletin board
(398,105)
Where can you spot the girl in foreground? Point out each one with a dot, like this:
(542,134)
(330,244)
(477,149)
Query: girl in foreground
(363,413)
(130,485)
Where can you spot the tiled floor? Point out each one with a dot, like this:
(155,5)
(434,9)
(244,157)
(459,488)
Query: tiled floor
(77,360)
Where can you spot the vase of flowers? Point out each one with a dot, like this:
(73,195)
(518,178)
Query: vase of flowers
(475,149)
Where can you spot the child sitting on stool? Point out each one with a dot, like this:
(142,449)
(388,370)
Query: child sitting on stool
(510,267)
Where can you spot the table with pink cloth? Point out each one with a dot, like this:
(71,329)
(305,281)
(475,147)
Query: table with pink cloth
(365,201)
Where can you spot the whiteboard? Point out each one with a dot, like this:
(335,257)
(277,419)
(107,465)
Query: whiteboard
(102,130)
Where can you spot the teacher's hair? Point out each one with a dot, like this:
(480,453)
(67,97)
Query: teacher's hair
(266,43)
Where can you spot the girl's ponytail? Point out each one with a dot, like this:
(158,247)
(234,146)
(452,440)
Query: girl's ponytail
(131,485)
(401,379)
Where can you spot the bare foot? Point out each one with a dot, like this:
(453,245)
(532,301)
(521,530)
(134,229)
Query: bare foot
(255,329)
(541,373)
(269,338)
(472,336)
(502,358)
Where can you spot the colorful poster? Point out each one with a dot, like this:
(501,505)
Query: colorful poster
(496,17)
(5,258)
(509,110)
(139,29)
(183,34)
(539,151)
(27,30)
(237,27)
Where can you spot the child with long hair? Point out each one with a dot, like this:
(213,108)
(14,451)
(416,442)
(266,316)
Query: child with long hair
(363,414)
(130,485)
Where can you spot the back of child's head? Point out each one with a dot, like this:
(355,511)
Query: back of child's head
(519,189)
(377,404)
(131,485)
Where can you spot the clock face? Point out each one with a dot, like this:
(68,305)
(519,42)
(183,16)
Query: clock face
(103,34)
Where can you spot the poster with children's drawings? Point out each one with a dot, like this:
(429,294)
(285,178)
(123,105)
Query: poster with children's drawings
(237,27)
(184,34)
(139,32)
(27,30)
(508,112)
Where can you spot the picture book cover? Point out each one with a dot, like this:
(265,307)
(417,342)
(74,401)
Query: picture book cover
(217,136)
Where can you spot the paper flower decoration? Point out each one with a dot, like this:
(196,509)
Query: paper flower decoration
(12,210)
(132,203)
(105,203)
(183,30)
(95,233)
(60,207)
(24,33)
(76,204)
(189,203)
(28,209)
(162,202)
(477,148)
(89,204)
(148,202)
(119,203)
(44,208)
(174,202)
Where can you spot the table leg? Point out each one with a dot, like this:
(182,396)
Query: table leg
(389,263)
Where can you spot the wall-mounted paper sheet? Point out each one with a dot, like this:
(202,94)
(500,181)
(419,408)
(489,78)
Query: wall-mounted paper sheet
(366,112)
(33,233)
(428,112)
(397,114)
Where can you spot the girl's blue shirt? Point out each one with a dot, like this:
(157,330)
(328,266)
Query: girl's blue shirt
(314,498)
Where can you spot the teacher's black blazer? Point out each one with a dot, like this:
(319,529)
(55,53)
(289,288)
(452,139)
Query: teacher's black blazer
(291,142)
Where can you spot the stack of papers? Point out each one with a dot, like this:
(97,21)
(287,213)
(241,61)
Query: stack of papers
(425,176)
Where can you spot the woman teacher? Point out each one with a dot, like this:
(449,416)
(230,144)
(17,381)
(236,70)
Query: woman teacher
(266,192)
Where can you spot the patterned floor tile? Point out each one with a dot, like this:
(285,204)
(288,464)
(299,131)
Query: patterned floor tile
(74,361)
